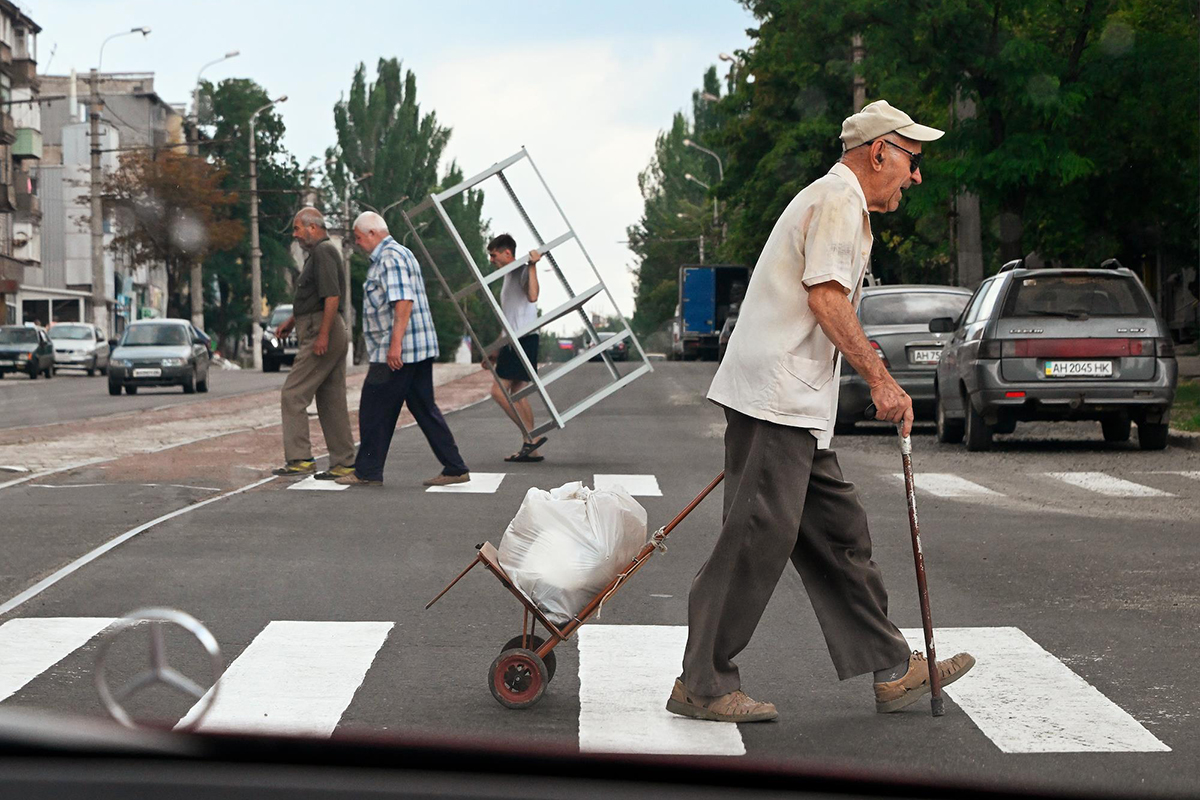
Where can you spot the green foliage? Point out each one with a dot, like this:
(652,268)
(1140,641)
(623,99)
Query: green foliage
(280,184)
(393,151)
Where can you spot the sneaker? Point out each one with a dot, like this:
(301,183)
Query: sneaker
(913,685)
(353,480)
(334,473)
(447,480)
(294,468)
(732,707)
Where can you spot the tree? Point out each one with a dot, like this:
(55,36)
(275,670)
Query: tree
(226,111)
(171,211)
(393,151)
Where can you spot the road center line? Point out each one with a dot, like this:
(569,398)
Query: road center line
(84,560)
(629,715)
(31,645)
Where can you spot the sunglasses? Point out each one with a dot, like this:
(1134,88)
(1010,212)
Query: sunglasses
(914,159)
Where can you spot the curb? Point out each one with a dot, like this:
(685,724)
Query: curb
(1185,439)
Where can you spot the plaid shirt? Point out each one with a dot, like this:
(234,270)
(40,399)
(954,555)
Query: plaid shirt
(395,275)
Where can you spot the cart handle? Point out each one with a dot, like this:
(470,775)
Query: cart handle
(670,526)
(461,575)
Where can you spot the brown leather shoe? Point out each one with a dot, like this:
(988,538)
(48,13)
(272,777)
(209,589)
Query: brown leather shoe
(353,480)
(446,480)
(914,684)
(732,707)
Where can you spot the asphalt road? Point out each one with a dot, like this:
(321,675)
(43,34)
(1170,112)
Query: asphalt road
(72,395)
(1068,566)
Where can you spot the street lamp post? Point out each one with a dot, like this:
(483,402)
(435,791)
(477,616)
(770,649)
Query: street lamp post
(689,176)
(255,250)
(720,173)
(196,282)
(99,279)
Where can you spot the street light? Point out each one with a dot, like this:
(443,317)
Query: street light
(720,172)
(196,90)
(709,97)
(689,176)
(99,279)
(255,250)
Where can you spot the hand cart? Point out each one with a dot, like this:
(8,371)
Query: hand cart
(519,675)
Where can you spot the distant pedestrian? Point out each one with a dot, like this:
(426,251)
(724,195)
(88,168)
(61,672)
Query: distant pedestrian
(319,369)
(401,346)
(785,497)
(518,300)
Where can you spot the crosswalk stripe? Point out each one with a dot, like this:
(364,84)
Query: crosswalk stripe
(1027,701)
(295,678)
(1193,474)
(311,484)
(628,715)
(1103,483)
(31,645)
(480,483)
(944,484)
(636,485)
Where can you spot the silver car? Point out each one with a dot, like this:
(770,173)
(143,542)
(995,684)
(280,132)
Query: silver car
(1056,344)
(896,321)
(78,345)
(159,352)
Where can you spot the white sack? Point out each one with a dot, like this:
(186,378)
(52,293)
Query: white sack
(566,544)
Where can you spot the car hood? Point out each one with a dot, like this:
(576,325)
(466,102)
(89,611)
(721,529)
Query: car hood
(9,349)
(73,345)
(151,352)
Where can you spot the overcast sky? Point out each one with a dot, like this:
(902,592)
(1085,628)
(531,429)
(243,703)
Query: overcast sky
(588,84)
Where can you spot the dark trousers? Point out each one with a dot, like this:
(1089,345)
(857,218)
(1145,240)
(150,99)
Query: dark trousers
(384,393)
(786,500)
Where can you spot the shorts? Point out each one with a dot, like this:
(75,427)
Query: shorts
(509,366)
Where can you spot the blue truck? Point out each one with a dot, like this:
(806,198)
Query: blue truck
(707,295)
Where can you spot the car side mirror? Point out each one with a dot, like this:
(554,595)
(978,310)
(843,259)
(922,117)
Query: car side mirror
(941,325)
(112,342)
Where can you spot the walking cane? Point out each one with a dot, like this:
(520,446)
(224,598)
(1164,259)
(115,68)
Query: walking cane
(935,680)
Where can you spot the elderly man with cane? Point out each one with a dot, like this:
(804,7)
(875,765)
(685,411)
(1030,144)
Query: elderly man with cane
(785,497)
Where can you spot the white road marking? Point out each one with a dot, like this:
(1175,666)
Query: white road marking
(636,485)
(149,485)
(31,645)
(1103,483)
(84,560)
(1027,701)
(1193,474)
(480,483)
(945,484)
(628,715)
(311,484)
(295,678)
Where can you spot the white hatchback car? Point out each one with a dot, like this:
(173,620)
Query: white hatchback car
(78,345)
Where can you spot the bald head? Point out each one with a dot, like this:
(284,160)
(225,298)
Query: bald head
(369,230)
(308,226)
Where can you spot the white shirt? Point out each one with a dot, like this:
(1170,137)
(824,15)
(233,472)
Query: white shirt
(780,366)
(514,299)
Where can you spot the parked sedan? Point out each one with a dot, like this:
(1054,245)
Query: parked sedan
(26,349)
(159,352)
(277,351)
(1056,344)
(896,322)
(78,345)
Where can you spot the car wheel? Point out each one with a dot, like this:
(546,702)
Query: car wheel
(1153,435)
(979,435)
(33,374)
(949,431)
(202,386)
(130,390)
(1116,429)
(51,371)
(92,369)
(189,384)
(270,365)
(114,388)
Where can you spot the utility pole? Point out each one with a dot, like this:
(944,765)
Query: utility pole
(702,248)
(968,224)
(99,290)
(860,83)
(255,250)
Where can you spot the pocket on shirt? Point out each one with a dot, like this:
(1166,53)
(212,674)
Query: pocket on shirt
(813,373)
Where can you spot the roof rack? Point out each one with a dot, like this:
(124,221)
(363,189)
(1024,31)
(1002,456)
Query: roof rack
(1017,263)
(1111,263)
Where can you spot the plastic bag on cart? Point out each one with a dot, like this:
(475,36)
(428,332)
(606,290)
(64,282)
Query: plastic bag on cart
(566,544)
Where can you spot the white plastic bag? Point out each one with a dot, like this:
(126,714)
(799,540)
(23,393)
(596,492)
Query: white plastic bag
(566,544)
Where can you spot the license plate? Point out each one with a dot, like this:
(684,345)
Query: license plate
(1079,369)
(926,356)
(147,373)
(8,363)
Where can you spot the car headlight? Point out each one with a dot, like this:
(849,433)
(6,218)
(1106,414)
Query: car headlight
(274,342)
(173,362)
(125,362)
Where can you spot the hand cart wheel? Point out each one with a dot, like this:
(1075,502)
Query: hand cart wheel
(533,643)
(518,678)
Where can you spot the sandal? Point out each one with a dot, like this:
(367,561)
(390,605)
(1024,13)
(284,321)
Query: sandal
(523,455)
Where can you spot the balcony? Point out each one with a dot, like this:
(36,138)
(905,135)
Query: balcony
(29,205)
(8,129)
(12,272)
(24,73)
(6,57)
(28,144)
(8,198)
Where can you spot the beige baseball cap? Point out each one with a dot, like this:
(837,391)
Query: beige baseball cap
(879,118)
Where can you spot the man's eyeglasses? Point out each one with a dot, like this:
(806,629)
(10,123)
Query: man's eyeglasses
(914,159)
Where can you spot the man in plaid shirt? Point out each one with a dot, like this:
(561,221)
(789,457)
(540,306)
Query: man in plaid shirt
(401,346)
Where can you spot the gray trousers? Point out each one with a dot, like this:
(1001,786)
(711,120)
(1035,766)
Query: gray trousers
(322,377)
(784,499)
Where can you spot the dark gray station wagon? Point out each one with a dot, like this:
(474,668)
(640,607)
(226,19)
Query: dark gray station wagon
(1056,344)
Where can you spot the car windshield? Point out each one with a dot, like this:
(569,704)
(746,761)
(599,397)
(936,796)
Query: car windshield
(18,336)
(76,332)
(143,335)
(911,308)
(1076,295)
(280,316)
